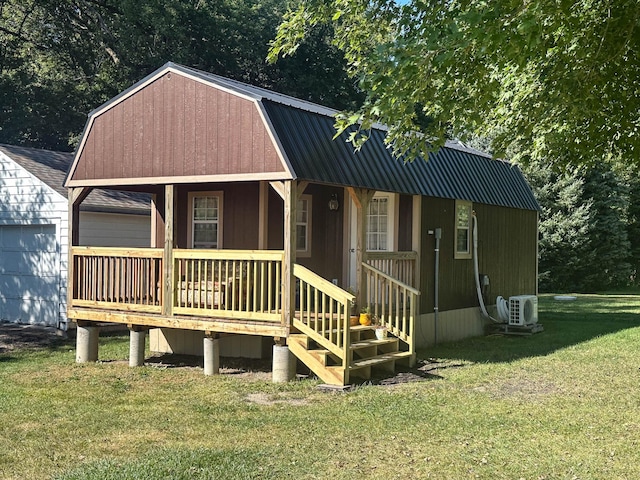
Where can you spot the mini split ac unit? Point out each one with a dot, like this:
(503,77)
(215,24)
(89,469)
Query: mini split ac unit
(523,310)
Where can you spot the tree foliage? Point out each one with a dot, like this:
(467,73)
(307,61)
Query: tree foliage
(550,79)
(587,223)
(60,59)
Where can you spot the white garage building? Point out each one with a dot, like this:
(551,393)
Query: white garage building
(33,232)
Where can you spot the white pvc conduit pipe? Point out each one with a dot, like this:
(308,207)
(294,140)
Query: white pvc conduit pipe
(500,302)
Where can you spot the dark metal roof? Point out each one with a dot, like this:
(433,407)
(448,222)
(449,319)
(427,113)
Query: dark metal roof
(306,133)
(51,168)
(455,171)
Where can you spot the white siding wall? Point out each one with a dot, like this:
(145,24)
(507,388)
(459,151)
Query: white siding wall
(25,200)
(115,230)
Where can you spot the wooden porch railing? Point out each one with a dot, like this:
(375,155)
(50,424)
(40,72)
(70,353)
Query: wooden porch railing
(243,284)
(323,313)
(117,278)
(393,302)
(399,265)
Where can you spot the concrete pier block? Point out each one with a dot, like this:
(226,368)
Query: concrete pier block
(87,344)
(211,355)
(284,364)
(137,340)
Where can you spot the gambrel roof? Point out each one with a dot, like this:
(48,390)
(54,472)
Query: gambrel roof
(182,125)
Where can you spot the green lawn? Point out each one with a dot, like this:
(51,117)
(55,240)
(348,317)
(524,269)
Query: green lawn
(563,404)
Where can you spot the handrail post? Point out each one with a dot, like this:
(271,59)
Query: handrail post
(346,344)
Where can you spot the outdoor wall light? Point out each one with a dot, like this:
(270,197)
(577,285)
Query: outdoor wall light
(333,203)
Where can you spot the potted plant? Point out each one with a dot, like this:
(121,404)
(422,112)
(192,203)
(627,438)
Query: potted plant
(380,330)
(365,316)
(353,318)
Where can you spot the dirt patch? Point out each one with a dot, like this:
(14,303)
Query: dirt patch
(247,368)
(265,399)
(28,337)
(524,388)
(424,370)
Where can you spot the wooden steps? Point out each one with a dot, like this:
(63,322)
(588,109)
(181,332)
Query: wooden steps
(366,352)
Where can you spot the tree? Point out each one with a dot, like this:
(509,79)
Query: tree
(565,250)
(551,79)
(610,248)
(60,59)
(585,222)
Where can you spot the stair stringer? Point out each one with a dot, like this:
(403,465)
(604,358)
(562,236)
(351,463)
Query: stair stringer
(316,361)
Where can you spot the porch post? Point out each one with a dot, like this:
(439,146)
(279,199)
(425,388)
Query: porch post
(283,368)
(167,258)
(416,238)
(289,284)
(75,197)
(263,216)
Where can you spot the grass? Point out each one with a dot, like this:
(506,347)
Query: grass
(563,404)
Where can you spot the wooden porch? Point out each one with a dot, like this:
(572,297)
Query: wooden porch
(241,292)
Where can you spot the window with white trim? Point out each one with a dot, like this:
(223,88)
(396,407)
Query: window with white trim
(378,224)
(303,226)
(464,212)
(206,219)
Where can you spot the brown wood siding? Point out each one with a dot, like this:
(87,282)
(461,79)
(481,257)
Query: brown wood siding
(239,214)
(327,230)
(507,252)
(405,212)
(177,126)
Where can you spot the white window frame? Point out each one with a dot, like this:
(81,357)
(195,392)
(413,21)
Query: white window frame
(192,221)
(466,253)
(392,216)
(305,252)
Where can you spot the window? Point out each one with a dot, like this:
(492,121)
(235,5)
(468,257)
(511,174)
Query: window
(378,224)
(464,212)
(206,219)
(303,226)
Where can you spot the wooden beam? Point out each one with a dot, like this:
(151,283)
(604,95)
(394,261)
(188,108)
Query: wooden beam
(354,196)
(288,294)
(263,216)
(75,198)
(230,326)
(77,195)
(302,185)
(278,187)
(169,243)
(416,237)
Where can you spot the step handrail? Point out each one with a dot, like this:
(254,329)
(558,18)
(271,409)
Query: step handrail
(393,302)
(323,311)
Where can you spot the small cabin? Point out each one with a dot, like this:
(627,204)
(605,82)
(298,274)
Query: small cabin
(267,231)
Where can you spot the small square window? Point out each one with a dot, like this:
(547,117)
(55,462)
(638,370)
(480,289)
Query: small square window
(464,214)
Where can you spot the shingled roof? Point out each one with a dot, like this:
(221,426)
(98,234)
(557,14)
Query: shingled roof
(51,168)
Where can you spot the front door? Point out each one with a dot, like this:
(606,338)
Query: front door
(381,228)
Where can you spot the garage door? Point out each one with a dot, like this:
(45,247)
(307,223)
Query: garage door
(29,274)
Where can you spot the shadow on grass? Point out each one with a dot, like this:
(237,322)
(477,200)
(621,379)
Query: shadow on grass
(565,324)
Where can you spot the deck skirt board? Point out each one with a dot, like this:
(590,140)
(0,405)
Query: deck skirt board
(222,325)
